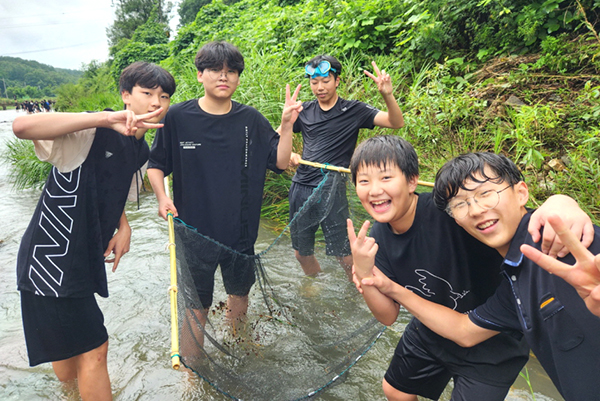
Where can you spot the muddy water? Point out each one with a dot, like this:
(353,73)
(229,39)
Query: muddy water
(137,319)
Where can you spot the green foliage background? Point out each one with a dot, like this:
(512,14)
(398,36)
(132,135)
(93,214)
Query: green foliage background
(517,77)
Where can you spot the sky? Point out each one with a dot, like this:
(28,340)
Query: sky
(60,33)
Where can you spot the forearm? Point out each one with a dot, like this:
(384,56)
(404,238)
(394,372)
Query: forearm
(284,149)
(383,308)
(395,116)
(52,125)
(157,181)
(444,321)
(123,222)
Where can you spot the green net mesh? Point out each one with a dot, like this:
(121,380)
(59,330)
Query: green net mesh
(300,334)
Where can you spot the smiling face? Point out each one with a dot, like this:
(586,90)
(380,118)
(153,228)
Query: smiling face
(145,100)
(494,227)
(387,195)
(324,89)
(219,83)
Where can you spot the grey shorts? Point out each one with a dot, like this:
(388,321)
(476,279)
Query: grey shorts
(330,215)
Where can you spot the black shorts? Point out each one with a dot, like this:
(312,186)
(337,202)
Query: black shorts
(415,370)
(237,270)
(331,215)
(60,328)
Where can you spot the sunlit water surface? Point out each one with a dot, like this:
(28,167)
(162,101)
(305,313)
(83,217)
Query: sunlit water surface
(137,317)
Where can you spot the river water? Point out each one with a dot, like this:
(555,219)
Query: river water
(137,317)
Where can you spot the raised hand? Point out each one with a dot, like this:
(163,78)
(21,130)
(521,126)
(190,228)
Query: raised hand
(127,122)
(363,249)
(584,275)
(292,106)
(382,80)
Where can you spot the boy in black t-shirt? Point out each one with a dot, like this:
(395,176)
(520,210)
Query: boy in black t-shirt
(415,245)
(218,151)
(486,196)
(61,260)
(330,126)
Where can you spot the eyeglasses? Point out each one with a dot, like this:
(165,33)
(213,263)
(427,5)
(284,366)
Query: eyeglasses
(486,200)
(215,73)
(321,70)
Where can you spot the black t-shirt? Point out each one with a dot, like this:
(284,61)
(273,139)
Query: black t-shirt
(219,163)
(442,263)
(562,332)
(62,250)
(329,137)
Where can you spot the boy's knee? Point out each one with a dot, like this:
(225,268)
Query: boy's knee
(393,394)
(94,358)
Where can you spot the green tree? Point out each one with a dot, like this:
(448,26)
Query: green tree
(188,9)
(130,14)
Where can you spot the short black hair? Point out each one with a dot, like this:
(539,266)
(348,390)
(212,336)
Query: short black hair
(146,75)
(471,166)
(383,150)
(335,64)
(218,53)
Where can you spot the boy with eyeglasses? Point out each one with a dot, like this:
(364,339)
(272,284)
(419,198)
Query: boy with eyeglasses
(218,151)
(329,127)
(485,194)
(80,224)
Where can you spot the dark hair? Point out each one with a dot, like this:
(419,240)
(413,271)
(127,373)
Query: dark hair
(146,75)
(383,150)
(471,166)
(219,53)
(335,64)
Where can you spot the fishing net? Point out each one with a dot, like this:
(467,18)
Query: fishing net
(300,334)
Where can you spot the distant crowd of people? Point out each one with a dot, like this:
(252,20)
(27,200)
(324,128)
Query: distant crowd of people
(35,106)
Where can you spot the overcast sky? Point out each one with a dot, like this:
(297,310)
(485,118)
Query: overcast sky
(60,33)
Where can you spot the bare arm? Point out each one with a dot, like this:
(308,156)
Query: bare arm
(446,322)
(290,113)
(53,125)
(119,243)
(393,118)
(364,250)
(157,180)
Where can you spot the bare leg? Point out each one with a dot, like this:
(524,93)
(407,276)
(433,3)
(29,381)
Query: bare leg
(346,262)
(393,394)
(193,331)
(309,264)
(90,370)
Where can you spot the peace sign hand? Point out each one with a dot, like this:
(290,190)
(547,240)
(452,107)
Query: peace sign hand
(584,275)
(382,80)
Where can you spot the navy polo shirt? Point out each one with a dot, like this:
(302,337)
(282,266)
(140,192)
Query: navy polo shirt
(562,332)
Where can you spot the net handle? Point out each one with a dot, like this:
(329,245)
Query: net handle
(347,170)
(175,358)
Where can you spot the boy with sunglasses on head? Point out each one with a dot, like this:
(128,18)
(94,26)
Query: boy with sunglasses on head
(329,127)
(417,246)
(61,261)
(218,151)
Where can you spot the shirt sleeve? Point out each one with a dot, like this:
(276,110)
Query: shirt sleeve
(66,152)
(499,312)
(160,152)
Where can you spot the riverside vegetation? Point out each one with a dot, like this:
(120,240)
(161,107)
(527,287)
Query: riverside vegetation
(514,77)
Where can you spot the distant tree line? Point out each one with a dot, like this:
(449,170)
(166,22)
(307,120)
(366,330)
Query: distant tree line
(21,79)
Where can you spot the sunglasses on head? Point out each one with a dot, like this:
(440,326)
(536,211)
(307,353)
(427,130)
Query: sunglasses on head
(321,70)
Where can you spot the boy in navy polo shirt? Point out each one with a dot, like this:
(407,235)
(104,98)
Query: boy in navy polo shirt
(61,260)
(329,127)
(486,196)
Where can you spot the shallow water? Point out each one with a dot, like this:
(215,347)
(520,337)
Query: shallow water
(137,317)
